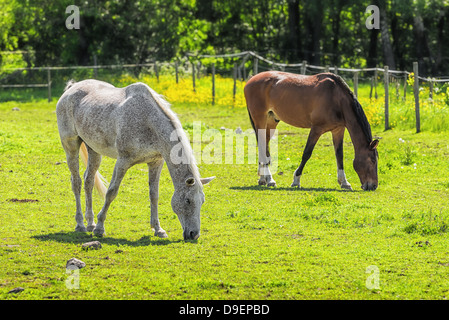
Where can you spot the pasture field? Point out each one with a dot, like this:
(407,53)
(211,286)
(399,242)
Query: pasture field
(317,242)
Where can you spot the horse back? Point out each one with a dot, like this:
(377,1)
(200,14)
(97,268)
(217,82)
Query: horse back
(299,100)
(105,117)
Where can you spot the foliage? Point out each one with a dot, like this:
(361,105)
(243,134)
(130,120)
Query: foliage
(325,32)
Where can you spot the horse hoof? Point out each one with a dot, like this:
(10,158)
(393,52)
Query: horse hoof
(271,183)
(98,232)
(295,185)
(80,229)
(90,228)
(346,187)
(161,234)
(262,182)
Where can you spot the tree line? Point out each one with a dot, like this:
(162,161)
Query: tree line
(322,32)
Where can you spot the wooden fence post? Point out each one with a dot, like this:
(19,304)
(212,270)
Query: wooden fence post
(386,84)
(234,75)
(375,83)
(356,82)
(303,67)
(256,66)
(336,70)
(405,88)
(431,89)
(95,67)
(199,70)
(416,92)
(176,71)
(193,76)
(49,84)
(156,71)
(213,83)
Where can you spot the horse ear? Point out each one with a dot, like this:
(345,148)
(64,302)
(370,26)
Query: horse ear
(190,181)
(206,180)
(373,145)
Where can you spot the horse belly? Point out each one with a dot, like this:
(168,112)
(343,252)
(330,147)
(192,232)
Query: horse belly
(97,128)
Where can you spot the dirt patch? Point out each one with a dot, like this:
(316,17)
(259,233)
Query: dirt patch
(22,200)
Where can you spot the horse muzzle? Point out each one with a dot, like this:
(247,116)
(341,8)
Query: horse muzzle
(191,235)
(369,186)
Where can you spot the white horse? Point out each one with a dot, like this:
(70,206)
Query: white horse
(133,125)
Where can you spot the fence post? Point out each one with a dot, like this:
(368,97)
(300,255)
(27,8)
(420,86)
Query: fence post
(405,87)
(256,66)
(49,84)
(199,70)
(431,89)
(386,83)
(397,89)
(375,83)
(234,75)
(176,71)
(416,92)
(95,67)
(335,70)
(326,68)
(371,90)
(193,76)
(213,83)
(156,70)
(303,67)
(356,82)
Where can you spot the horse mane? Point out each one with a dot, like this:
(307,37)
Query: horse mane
(164,105)
(357,108)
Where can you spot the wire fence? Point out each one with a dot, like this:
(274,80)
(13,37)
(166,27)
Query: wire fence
(248,63)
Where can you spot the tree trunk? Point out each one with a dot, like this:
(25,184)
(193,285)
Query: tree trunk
(422,46)
(294,33)
(386,43)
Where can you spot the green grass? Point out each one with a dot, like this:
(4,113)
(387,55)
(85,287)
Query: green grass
(256,243)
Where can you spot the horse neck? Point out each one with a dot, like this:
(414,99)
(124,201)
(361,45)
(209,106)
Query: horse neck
(359,140)
(179,170)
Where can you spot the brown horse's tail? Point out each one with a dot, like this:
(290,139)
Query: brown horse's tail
(100,181)
(252,122)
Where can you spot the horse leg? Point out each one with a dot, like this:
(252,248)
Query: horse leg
(337,137)
(314,135)
(121,166)
(154,173)
(93,163)
(270,130)
(71,147)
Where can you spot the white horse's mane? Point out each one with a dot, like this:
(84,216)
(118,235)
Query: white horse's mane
(188,152)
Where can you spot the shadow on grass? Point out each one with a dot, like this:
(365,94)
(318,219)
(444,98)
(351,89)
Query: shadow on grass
(80,237)
(294,189)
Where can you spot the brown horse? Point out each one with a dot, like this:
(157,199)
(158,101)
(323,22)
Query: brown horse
(321,102)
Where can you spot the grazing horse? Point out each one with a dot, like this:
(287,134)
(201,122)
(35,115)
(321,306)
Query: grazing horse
(321,102)
(133,125)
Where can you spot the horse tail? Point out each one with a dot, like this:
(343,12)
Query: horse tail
(252,122)
(69,84)
(100,182)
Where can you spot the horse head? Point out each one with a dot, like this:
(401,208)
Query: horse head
(365,164)
(186,203)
